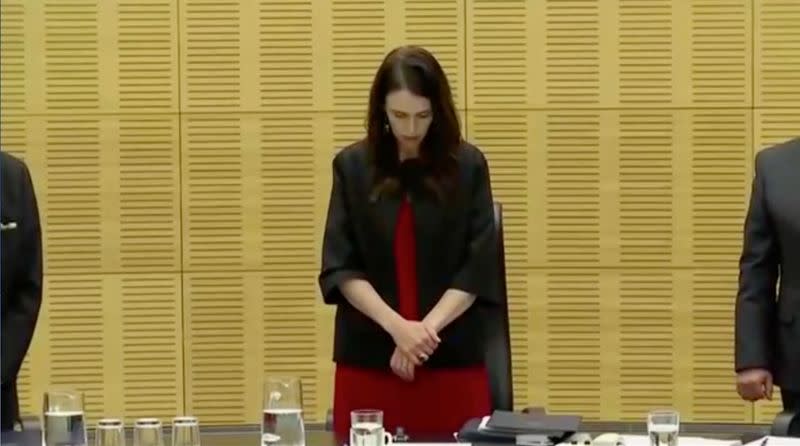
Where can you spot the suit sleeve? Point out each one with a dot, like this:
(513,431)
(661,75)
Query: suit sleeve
(24,301)
(478,273)
(758,276)
(340,259)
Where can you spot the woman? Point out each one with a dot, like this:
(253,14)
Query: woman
(409,257)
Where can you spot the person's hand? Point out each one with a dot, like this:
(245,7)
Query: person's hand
(754,384)
(402,366)
(415,339)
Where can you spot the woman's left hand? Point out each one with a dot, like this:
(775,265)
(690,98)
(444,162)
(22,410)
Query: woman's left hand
(402,366)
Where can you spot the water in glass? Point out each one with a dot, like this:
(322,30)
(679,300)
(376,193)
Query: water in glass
(282,417)
(663,428)
(367,434)
(366,428)
(63,419)
(64,429)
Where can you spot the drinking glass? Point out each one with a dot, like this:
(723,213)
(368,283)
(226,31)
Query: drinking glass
(185,431)
(663,427)
(148,432)
(366,428)
(109,432)
(282,418)
(63,419)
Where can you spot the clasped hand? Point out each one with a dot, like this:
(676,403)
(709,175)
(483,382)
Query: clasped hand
(415,342)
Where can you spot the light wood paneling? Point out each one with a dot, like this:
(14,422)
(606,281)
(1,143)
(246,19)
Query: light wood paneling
(777,54)
(115,337)
(503,136)
(181,154)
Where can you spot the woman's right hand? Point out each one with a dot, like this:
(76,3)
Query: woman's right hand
(415,339)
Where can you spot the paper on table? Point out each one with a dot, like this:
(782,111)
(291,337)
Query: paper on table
(644,440)
(775,441)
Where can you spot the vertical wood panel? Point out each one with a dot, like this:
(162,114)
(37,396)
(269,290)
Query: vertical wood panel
(645,194)
(721,50)
(496,56)
(72,201)
(438,25)
(152,354)
(777,53)
(212,193)
(285,54)
(72,56)
(645,53)
(573,343)
(12,58)
(210,54)
(714,399)
(503,139)
(359,44)
(147,53)
(647,346)
(214,305)
(721,142)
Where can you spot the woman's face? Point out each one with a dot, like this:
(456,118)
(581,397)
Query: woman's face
(410,116)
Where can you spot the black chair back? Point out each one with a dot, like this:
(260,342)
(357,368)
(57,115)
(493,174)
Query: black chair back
(498,345)
(786,424)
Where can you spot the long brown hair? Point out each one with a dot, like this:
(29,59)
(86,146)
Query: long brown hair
(417,70)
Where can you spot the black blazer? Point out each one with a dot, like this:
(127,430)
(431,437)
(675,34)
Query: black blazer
(456,248)
(21,281)
(768,324)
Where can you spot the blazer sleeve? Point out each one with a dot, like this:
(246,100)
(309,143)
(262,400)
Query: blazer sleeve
(340,258)
(24,300)
(478,273)
(758,276)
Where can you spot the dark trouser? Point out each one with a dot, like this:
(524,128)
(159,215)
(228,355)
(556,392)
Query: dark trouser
(791,400)
(10,406)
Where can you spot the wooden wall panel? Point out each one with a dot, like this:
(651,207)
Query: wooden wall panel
(151,346)
(246,56)
(215,347)
(720,169)
(720,53)
(496,77)
(711,313)
(777,54)
(502,136)
(358,41)
(115,337)
(438,25)
(12,58)
(646,39)
(97,57)
(174,146)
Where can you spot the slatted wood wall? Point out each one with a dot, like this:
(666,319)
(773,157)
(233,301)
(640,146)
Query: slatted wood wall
(181,152)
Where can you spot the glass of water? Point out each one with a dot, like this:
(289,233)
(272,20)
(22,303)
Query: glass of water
(109,432)
(148,432)
(185,431)
(282,418)
(64,423)
(663,427)
(366,428)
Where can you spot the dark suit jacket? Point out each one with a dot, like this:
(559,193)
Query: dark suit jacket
(21,279)
(768,324)
(456,247)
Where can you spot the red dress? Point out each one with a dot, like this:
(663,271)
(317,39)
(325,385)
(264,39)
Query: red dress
(438,401)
